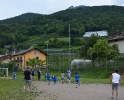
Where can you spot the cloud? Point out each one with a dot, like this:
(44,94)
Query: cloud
(118,2)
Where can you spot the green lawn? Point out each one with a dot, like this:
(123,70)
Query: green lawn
(12,90)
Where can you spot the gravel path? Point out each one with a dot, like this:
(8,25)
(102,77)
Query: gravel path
(67,91)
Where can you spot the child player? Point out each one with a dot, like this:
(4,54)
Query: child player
(76,79)
(45,76)
(13,75)
(48,79)
(68,75)
(54,79)
(62,77)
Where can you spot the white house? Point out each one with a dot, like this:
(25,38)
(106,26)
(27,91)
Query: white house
(99,33)
(119,40)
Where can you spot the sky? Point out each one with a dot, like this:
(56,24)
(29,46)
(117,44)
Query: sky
(12,8)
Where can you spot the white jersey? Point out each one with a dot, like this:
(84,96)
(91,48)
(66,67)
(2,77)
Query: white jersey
(115,78)
(62,75)
(69,73)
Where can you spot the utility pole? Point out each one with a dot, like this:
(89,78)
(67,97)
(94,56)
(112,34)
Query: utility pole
(106,57)
(47,55)
(69,46)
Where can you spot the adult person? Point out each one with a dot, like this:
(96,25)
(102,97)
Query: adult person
(27,79)
(115,80)
(32,72)
(39,73)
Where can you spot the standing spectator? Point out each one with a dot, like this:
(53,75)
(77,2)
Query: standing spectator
(32,72)
(68,75)
(48,79)
(39,73)
(76,79)
(62,77)
(27,79)
(115,80)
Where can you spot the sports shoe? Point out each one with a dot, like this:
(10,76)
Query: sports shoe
(112,97)
(116,98)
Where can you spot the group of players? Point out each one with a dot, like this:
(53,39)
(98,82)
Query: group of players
(114,80)
(68,75)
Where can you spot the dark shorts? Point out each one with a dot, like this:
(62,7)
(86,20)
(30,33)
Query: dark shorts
(27,82)
(32,74)
(77,81)
(69,77)
(115,86)
(62,78)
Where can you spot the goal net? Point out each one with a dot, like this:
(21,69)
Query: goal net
(4,71)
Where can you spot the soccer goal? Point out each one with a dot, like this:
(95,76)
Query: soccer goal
(4,71)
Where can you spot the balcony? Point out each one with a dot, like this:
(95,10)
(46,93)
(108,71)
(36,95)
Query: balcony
(18,60)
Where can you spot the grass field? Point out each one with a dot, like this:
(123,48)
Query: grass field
(13,90)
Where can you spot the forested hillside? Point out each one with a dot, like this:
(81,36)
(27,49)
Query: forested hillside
(28,29)
(23,17)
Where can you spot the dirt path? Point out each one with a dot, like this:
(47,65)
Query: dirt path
(67,91)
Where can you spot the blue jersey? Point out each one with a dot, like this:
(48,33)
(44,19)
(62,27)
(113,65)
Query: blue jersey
(48,77)
(14,75)
(45,76)
(54,78)
(76,77)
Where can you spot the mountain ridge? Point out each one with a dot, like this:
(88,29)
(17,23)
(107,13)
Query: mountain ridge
(40,27)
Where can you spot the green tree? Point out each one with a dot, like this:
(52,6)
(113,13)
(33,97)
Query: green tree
(101,51)
(2,51)
(33,62)
(89,42)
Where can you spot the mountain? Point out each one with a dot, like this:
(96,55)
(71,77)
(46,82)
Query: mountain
(22,17)
(37,29)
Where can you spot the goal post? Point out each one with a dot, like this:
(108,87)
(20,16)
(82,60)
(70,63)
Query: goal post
(5,71)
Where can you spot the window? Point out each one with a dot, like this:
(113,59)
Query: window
(37,58)
(35,52)
(19,59)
